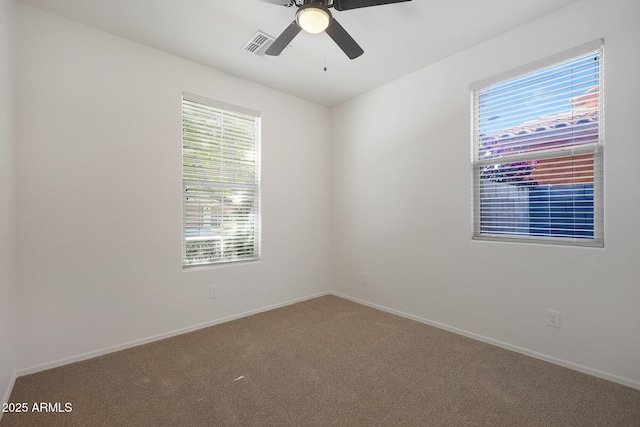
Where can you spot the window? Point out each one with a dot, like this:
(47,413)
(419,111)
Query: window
(538,152)
(220,182)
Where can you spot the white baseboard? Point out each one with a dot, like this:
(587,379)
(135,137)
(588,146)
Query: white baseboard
(576,367)
(92,354)
(7,392)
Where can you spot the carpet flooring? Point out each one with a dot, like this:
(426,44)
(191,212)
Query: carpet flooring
(322,362)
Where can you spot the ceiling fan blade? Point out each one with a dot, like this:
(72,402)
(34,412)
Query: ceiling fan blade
(287,3)
(283,40)
(344,40)
(356,4)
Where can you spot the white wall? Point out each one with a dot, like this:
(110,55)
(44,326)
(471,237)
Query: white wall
(401,206)
(7,204)
(99,194)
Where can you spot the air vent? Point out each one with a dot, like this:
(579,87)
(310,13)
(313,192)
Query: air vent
(258,43)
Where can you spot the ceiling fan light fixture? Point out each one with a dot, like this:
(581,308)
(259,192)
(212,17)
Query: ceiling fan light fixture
(313,18)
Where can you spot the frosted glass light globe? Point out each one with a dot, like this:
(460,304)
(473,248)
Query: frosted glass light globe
(313,19)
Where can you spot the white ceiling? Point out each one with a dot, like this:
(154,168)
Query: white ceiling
(397,39)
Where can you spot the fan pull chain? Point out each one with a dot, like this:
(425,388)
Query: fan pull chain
(325,55)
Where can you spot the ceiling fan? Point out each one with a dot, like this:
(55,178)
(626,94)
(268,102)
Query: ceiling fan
(313,16)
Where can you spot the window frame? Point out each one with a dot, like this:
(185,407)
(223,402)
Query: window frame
(206,183)
(575,150)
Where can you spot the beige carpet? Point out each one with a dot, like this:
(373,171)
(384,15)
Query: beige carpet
(323,362)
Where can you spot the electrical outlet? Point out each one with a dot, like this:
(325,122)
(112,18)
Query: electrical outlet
(553,318)
(365,278)
(213,291)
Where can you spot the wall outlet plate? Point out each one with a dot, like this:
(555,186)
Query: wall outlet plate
(553,318)
(213,291)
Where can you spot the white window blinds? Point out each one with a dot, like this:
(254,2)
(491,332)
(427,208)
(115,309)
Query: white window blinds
(221,182)
(538,152)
